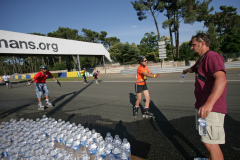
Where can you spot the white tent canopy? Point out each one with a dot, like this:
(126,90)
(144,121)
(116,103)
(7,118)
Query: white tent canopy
(21,43)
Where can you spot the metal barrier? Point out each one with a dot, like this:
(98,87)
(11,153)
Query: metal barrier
(175,69)
(232,65)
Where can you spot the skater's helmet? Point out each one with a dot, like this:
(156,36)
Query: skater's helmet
(141,58)
(43,67)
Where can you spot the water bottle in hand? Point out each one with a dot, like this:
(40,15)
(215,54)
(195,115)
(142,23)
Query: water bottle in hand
(202,127)
(182,78)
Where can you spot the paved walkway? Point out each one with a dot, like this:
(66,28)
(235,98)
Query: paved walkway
(108,107)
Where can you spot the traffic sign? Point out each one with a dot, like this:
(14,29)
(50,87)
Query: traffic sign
(161,43)
(162,50)
(162,57)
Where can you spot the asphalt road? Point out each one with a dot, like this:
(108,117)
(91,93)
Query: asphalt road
(108,107)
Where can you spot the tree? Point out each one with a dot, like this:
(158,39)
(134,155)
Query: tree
(224,21)
(177,11)
(186,52)
(149,46)
(227,26)
(188,11)
(231,44)
(110,41)
(64,33)
(170,52)
(124,53)
(215,44)
(149,43)
(169,23)
(148,6)
(90,36)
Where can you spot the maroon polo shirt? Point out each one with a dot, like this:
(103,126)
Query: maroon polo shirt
(210,64)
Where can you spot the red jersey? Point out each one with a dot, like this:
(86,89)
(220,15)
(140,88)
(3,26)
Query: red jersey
(41,78)
(141,79)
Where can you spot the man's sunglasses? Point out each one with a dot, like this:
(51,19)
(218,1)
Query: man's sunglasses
(144,61)
(201,36)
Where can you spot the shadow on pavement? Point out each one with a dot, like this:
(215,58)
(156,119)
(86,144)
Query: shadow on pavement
(49,114)
(9,112)
(172,134)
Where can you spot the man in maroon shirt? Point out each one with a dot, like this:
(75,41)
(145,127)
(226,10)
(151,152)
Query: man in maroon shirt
(210,92)
(41,87)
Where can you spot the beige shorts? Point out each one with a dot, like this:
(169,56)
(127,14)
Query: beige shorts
(215,128)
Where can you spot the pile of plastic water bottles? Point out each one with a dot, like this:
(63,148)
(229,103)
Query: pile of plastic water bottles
(46,139)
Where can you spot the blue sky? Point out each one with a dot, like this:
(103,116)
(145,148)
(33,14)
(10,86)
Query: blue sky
(116,17)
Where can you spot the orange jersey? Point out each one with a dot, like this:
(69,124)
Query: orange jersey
(141,79)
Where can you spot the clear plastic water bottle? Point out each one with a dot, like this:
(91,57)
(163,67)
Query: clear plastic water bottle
(88,140)
(111,157)
(108,137)
(117,140)
(101,149)
(51,144)
(46,151)
(7,151)
(76,148)
(124,155)
(126,145)
(83,144)
(92,148)
(109,147)
(65,138)
(117,151)
(182,78)
(28,154)
(59,155)
(58,143)
(99,139)
(53,153)
(94,135)
(42,139)
(84,156)
(69,145)
(202,126)
(98,157)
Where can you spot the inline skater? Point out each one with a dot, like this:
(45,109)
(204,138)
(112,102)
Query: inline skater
(6,78)
(41,87)
(141,87)
(83,75)
(95,75)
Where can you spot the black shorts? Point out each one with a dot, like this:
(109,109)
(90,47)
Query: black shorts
(6,81)
(140,88)
(95,77)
